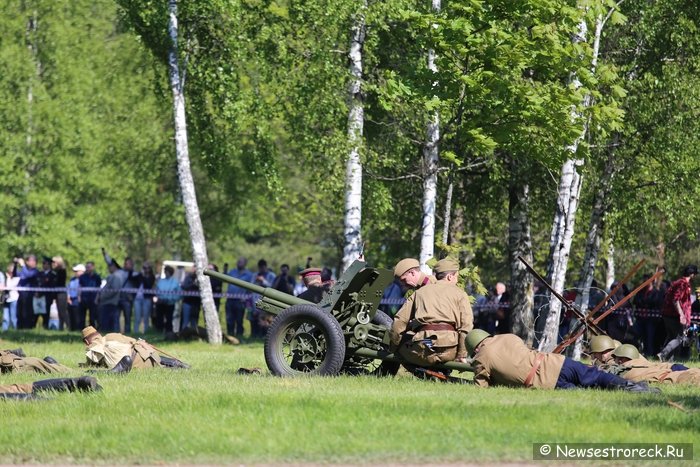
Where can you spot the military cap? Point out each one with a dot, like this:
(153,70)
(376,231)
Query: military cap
(627,351)
(88,332)
(474,338)
(446,265)
(602,343)
(46,259)
(310,272)
(405,265)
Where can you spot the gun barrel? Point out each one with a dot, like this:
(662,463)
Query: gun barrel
(267,292)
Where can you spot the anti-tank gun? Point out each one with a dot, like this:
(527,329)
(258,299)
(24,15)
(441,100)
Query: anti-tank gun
(344,333)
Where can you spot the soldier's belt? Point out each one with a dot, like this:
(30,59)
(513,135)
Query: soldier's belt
(533,370)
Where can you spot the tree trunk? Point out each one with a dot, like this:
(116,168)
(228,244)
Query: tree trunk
(520,244)
(33,48)
(610,269)
(601,204)
(567,205)
(430,170)
(448,212)
(189,196)
(353,171)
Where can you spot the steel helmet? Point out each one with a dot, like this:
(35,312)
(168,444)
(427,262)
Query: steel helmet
(474,338)
(602,343)
(617,343)
(627,351)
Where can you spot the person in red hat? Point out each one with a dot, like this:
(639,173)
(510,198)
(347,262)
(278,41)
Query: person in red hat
(315,288)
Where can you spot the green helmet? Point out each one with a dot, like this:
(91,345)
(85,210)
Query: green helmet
(602,343)
(626,350)
(617,343)
(474,338)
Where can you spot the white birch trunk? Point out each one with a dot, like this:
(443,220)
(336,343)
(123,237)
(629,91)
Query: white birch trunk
(610,269)
(353,170)
(430,170)
(33,48)
(567,205)
(189,196)
(593,240)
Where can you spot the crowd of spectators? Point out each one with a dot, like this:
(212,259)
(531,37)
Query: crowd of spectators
(146,300)
(166,302)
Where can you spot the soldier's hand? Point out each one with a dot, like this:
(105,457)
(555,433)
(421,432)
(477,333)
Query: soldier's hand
(461,360)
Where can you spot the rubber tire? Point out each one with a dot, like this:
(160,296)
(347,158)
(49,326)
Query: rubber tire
(326,323)
(383,319)
(386,368)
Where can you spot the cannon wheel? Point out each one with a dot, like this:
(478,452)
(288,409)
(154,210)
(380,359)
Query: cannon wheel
(304,339)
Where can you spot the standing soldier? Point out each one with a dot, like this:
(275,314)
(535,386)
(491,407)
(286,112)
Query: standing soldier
(314,285)
(676,311)
(431,326)
(408,272)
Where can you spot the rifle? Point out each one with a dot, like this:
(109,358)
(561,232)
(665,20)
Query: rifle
(568,304)
(565,343)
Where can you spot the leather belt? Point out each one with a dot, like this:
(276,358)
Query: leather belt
(437,327)
(533,370)
(663,376)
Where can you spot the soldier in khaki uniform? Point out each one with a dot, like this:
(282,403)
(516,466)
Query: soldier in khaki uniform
(412,278)
(314,285)
(431,326)
(601,349)
(634,367)
(11,362)
(505,360)
(111,349)
(16,391)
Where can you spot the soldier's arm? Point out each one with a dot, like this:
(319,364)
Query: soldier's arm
(401,322)
(481,376)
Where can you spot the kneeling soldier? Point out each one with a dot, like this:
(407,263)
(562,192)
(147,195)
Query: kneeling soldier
(431,326)
(505,360)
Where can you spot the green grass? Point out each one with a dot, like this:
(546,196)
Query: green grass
(209,414)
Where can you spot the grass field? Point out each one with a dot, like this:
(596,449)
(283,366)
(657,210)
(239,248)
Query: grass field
(209,414)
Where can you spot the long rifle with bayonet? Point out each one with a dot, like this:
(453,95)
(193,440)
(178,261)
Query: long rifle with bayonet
(590,321)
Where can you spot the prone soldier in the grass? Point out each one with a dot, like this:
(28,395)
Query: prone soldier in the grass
(505,360)
(16,361)
(119,352)
(632,366)
(29,390)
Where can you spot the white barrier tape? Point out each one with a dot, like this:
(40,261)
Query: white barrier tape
(489,307)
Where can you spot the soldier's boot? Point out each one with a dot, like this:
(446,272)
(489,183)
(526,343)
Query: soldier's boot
(638,387)
(50,360)
(173,363)
(124,365)
(19,352)
(84,383)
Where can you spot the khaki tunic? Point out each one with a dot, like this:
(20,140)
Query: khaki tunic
(16,388)
(641,369)
(505,360)
(10,362)
(109,349)
(441,303)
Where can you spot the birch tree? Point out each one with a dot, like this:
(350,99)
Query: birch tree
(353,170)
(189,196)
(568,197)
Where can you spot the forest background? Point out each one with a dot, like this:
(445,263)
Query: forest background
(516,118)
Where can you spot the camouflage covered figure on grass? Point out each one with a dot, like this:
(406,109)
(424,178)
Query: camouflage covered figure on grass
(111,349)
(15,361)
(29,390)
(505,360)
(632,366)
